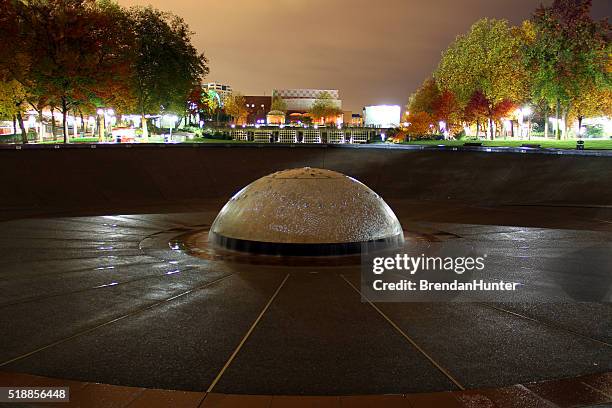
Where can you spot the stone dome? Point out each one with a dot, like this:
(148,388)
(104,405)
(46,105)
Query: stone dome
(306,211)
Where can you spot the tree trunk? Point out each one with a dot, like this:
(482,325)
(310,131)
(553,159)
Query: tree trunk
(64,120)
(477,128)
(557,120)
(546,121)
(14,125)
(145,130)
(24,134)
(491,129)
(566,126)
(53,128)
(41,132)
(580,127)
(101,127)
(75,127)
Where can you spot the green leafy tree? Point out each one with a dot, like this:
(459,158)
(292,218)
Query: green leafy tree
(278,104)
(13,102)
(325,108)
(568,55)
(424,98)
(76,51)
(488,60)
(167,66)
(595,101)
(235,106)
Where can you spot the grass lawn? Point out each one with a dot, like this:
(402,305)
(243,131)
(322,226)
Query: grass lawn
(60,140)
(601,144)
(222,141)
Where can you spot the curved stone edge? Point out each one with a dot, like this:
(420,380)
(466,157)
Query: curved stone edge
(285,249)
(582,391)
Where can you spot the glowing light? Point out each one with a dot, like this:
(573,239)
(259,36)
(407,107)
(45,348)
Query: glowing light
(385,116)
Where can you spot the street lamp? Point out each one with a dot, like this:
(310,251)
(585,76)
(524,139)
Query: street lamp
(525,112)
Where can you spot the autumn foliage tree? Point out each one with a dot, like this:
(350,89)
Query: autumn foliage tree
(167,67)
(235,106)
(76,50)
(441,106)
(420,124)
(325,108)
(569,55)
(487,62)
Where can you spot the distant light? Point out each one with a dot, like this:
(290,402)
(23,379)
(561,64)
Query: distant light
(442,124)
(233,126)
(100,111)
(527,110)
(110,112)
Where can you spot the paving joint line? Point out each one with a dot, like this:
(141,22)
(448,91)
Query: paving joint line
(114,320)
(247,335)
(546,324)
(408,338)
(111,285)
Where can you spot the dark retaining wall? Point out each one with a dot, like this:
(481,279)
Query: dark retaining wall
(88,176)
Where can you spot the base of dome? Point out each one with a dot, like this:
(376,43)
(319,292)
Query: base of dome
(300,249)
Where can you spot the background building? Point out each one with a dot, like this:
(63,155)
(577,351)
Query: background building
(383,116)
(356,120)
(258,108)
(222,89)
(301,100)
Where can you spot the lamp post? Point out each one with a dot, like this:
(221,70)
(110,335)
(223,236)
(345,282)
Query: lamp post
(526,111)
(101,128)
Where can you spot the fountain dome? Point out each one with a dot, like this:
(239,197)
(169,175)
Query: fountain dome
(306,211)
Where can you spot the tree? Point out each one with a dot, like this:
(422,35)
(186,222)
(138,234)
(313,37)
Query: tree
(488,60)
(167,66)
(213,103)
(13,104)
(424,98)
(594,101)
(278,104)
(420,124)
(76,51)
(477,110)
(9,27)
(446,109)
(235,106)
(568,55)
(324,108)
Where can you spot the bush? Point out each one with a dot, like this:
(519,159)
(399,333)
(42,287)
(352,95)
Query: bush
(459,135)
(595,131)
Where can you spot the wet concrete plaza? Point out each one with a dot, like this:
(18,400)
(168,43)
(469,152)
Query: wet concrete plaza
(99,299)
(116,298)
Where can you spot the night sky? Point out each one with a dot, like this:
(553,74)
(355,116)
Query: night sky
(374,52)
